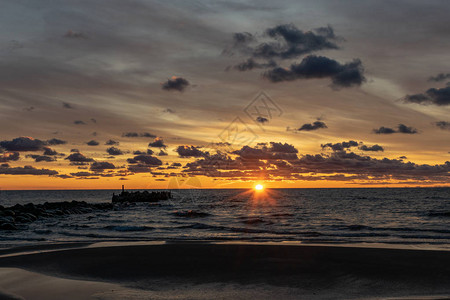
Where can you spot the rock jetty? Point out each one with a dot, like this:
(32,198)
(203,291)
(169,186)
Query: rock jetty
(12,217)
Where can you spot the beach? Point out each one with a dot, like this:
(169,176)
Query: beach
(201,270)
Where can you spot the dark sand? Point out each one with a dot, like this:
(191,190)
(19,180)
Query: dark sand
(230,271)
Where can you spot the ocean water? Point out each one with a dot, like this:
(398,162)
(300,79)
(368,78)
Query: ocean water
(359,215)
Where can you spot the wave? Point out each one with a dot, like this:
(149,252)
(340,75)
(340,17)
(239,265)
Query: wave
(438,214)
(128,228)
(191,214)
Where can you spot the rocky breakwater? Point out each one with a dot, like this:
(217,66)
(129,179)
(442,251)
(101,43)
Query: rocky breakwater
(11,218)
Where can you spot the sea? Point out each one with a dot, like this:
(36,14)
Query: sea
(400,216)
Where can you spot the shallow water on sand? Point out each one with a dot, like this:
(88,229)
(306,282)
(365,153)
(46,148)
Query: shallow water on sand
(382,215)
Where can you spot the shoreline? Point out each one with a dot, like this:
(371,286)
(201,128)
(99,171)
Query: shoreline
(295,271)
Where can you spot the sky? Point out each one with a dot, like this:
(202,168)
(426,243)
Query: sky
(224,94)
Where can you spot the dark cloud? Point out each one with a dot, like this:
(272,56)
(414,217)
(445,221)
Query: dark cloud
(340,146)
(175,84)
(190,151)
(402,128)
(130,134)
(285,41)
(262,120)
(273,152)
(282,148)
(49,151)
(54,142)
(439,77)
(373,148)
(342,75)
(147,134)
(384,130)
(443,125)
(111,143)
(26,170)
(435,96)
(94,121)
(162,153)
(9,156)
(140,168)
(314,126)
(102,165)
(93,143)
(145,159)
(40,158)
(67,105)
(23,144)
(251,64)
(157,143)
(114,151)
(74,150)
(78,157)
(79,122)
(135,134)
(243,38)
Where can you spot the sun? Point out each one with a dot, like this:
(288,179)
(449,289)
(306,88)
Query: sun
(259,187)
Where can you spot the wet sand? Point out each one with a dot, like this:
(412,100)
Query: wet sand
(225,271)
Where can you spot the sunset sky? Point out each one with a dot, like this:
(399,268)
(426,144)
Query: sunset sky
(96,94)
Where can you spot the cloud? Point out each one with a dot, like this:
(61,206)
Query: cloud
(373,148)
(384,130)
(190,151)
(111,143)
(342,75)
(135,134)
(49,151)
(26,170)
(9,156)
(262,120)
(79,122)
(251,64)
(114,151)
(146,160)
(314,126)
(434,96)
(273,152)
(23,144)
(93,143)
(147,134)
(343,146)
(162,153)
(444,125)
(285,41)
(157,143)
(67,105)
(175,84)
(401,128)
(78,157)
(251,164)
(100,166)
(54,142)
(138,152)
(439,77)
(340,146)
(40,158)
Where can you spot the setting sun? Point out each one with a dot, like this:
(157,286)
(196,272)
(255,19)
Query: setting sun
(259,187)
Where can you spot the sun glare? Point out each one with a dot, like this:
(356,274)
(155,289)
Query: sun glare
(259,187)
